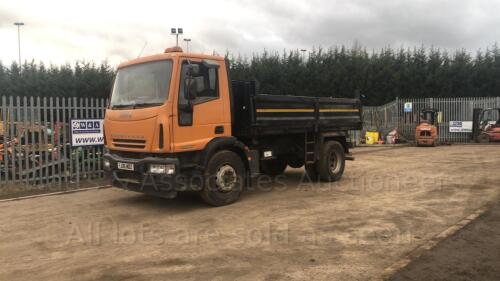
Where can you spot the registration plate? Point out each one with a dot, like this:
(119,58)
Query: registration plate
(125,166)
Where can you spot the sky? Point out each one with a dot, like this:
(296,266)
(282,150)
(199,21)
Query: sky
(61,32)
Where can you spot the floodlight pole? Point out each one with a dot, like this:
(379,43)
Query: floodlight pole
(303,54)
(176,32)
(187,40)
(19,24)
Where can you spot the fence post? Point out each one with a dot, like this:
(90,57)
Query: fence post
(57,140)
(12,127)
(33,149)
(77,150)
(17,158)
(5,136)
(26,148)
(398,116)
(45,139)
(68,166)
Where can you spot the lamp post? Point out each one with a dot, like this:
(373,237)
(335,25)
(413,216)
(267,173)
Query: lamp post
(303,54)
(19,24)
(187,40)
(176,31)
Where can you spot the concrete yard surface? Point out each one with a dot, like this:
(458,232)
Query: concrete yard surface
(471,254)
(388,203)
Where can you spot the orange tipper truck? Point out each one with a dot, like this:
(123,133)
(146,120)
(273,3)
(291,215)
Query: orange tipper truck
(176,122)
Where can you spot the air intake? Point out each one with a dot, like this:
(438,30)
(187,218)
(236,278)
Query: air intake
(160,141)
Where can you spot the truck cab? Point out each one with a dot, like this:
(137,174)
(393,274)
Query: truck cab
(176,122)
(163,108)
(147,115)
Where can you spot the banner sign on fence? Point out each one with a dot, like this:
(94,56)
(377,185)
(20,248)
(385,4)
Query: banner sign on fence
(460,126)
(86,132)
(408,107)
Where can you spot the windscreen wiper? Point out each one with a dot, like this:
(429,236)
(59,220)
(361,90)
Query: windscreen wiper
(125,105)
(147,104)
(136,105)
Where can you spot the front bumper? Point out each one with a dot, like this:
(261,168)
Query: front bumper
(426,141)
(140,180)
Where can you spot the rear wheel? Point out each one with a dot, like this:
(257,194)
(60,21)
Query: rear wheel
(224,179)
(273,167)
(332,161)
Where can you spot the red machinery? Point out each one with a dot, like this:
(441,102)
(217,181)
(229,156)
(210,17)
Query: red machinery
(486,125)
(426,133)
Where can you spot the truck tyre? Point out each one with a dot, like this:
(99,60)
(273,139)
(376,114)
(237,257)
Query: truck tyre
(332,161)
(312,172)
(224,179)
(273,167)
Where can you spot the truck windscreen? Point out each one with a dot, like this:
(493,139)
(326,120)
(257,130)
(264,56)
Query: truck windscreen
(141,85)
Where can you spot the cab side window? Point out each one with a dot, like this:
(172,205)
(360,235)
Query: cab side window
(207,84)
(207,81)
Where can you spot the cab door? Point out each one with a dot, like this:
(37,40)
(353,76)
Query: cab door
(206,116)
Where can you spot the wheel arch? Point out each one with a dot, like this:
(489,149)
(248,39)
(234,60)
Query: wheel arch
(224,143)
(339,137)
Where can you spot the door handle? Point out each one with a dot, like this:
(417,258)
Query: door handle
(219,129)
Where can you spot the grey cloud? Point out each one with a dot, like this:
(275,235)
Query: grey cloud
(7,18)
(220,37)
(123,52)
(249,26)
(446,24)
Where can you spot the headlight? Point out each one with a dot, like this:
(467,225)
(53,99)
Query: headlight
(168,169)
(107,164)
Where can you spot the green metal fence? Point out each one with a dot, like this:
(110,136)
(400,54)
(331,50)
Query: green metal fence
(393,116)
(36,141)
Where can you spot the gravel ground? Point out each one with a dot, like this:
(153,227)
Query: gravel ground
(388,203)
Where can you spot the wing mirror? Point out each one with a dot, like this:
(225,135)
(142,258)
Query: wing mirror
(190,83)
(193,70)
(190,88)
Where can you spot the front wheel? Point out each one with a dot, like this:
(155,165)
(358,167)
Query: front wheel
(332,161)
(224,179)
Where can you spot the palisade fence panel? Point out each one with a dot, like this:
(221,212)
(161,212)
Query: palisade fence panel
(35,145)
(392,116)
